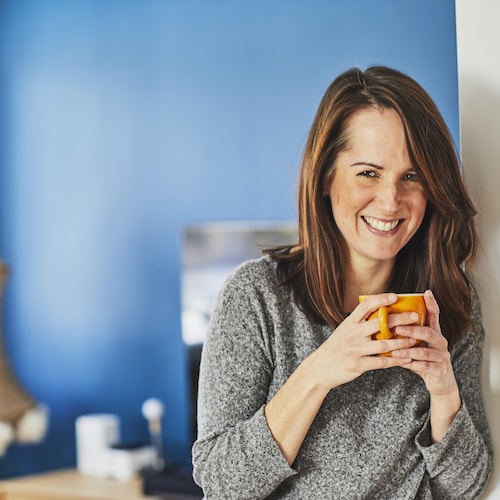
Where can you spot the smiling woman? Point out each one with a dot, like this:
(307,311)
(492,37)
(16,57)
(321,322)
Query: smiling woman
(378,202)
(445,239)
(291,380)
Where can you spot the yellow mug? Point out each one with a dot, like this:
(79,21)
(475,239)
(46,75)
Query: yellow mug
(407,302)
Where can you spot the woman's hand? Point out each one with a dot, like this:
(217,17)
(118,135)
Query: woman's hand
(432,361)
(350,351)
(344,356)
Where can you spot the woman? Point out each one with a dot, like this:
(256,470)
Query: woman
(293,400)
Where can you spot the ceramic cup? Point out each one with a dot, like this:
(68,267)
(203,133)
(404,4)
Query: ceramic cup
(407,302)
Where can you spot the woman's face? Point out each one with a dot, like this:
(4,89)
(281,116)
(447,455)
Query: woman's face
(377,199)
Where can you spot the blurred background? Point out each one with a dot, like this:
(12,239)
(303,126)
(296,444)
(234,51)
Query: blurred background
(122,122)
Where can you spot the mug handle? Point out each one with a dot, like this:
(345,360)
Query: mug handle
(385,333)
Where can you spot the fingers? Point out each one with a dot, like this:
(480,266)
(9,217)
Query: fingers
(432,310)
(369,356)
(372,327)
(431,338)
(382,362)
(433,346)
(402,319)
(422,354)
(371,304)
(421,349)
(389,345)
(363,351)
(431,334)
(432,365)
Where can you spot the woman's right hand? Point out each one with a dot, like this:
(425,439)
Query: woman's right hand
(351,351)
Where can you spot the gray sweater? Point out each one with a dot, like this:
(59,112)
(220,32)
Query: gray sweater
(371,437)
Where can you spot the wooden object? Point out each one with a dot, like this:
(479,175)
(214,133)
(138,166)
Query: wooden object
(71,485)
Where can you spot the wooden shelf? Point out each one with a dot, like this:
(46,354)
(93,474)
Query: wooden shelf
(71,485)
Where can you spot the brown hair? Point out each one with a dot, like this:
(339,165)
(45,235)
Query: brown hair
(437,255)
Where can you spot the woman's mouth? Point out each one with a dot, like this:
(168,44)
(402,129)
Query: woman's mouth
(380,225)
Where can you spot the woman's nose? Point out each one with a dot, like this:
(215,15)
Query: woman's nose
(389,197)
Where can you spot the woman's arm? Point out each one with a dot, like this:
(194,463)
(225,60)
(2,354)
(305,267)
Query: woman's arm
(433,363)
(235,455)
(292,410)
(456,443)
(344,356)
(443,410)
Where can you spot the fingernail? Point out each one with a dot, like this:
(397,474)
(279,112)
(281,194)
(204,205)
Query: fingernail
(414,316)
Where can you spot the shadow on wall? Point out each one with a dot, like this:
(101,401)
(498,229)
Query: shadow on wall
(480,112)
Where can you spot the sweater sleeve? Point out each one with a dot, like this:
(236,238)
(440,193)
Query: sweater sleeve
(235,455)
(459,466)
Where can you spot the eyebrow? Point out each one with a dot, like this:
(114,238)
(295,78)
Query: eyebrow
(375,165)
(368,164)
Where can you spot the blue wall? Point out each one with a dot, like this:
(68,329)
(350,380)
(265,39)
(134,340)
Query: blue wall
(123,120)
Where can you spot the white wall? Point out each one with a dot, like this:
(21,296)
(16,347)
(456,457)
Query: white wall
(478,43)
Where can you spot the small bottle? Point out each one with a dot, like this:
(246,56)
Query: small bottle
(152,409)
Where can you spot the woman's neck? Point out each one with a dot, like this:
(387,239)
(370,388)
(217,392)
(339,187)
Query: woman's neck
(366,280)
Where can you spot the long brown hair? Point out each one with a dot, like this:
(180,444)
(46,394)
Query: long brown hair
(446,242)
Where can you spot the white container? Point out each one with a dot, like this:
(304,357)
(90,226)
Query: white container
(95,434)
(125,463)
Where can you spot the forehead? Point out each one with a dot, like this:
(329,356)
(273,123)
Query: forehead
(375,124)
(376,134)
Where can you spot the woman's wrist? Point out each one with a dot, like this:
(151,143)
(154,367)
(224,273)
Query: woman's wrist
(443,410)
(291,411)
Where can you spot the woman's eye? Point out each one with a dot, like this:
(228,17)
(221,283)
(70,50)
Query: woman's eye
(367,173)
(411,176)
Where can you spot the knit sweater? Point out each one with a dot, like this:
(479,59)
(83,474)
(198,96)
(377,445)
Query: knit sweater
(371,437)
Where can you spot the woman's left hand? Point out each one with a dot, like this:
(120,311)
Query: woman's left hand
(432,361)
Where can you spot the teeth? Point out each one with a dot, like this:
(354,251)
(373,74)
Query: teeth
(381,225)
